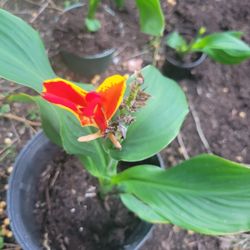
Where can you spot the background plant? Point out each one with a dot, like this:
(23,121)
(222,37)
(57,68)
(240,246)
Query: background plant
(91,22)
(224,47)
(207,194)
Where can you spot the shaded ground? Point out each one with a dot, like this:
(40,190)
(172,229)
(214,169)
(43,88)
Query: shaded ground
(219,97)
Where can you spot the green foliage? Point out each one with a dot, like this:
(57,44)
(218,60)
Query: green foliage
(68,3)
(223,47)
(22,55)
(156,124)
(5,108)
(152,20)
(91,22)
(206,194)
(21,97)
(176,41)
(1,242)
(92,25)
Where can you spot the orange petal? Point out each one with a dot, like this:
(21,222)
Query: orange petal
(112,91)
(100,118)
(68,96)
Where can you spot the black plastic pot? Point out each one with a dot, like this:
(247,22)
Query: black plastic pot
(87,65)
(177,70)
(21,195)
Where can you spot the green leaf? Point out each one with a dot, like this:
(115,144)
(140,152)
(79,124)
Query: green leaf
(152,20)
(92,7)
(158,123)
(143,211)
(207,194)
(22,55)
(92,25)
(21,97)
(1,242)
(176,41)
(5,108)
(51,122)
(224,47)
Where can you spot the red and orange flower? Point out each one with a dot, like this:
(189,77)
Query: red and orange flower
(94,108)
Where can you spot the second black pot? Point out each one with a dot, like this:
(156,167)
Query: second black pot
(178,70)
(21,196)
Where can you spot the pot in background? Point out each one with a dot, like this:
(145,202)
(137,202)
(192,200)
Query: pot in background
(21,195)
(89,65)
(177,69)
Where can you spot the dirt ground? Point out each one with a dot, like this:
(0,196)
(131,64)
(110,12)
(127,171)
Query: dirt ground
(219,98)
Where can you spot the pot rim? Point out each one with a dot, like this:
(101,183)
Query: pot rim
(188,65)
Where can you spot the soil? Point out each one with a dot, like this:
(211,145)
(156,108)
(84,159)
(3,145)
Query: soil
(72,214)
(72,35)
(219,96)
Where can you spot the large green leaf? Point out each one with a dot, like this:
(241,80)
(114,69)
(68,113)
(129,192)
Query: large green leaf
(158,123)
(144,211)
(224,47)
(207,194)
(151,17)
(22,55)
(50,120)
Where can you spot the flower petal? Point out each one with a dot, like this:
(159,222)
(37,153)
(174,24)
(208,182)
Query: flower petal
(68,96)
(112,91)
(100,118)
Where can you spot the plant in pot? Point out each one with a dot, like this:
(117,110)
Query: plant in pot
(223,47)
(152,23)
(87,45)
(79,40)
(102,127)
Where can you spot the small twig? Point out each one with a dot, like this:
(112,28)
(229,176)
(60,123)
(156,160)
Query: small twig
(121,49)
(42,9)
(46,242)
(20,119)
(53,181)
(183,148)
(15,132)
(47,198)
(11,246)
(199,129)
(3,3)
(53,5)
(136,55)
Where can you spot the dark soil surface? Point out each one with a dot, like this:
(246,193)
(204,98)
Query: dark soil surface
(74,215)
(219,97)
(73,36)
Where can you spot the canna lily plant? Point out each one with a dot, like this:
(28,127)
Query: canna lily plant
(223,47)
(128,120)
